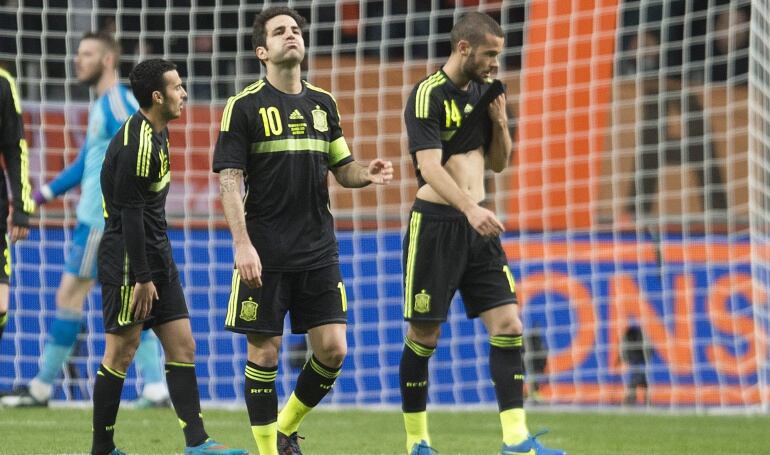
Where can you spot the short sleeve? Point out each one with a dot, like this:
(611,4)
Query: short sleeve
(422,124)
(233,144)
(335,127)
(339,153)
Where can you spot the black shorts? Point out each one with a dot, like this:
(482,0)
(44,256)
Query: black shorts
(443,253)
(116,304)
(312,298)
(5,258)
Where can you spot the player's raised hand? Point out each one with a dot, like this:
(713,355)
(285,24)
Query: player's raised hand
(380,171)
(144,296)
(497,112)
(248,264)
(484,221)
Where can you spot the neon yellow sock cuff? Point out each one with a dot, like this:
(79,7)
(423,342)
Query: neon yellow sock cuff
(266,437)
(514,423)
(416,425)
(291,415)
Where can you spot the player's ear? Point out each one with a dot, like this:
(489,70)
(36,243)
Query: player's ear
(157,97)
(261,52)
(464,47)
(109,59)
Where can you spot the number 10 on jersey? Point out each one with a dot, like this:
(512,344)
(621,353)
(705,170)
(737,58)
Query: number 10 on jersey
(271,119)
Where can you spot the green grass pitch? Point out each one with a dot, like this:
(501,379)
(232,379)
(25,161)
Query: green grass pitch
(67,431)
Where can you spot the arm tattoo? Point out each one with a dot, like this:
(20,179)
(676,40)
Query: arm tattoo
(230,193)
(230,180)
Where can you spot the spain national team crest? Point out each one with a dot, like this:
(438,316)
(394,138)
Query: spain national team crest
(320,122)
(249,310)
(422,302)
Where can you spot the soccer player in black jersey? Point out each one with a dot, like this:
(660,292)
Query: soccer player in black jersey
(453,241)
(140,282)
(13,148)
(280,136)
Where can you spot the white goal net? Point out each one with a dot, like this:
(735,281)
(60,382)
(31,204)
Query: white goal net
(636,202)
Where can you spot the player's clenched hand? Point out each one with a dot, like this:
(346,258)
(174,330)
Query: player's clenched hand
(380,171)
(144,295)
(497,112)
(484,221)
(248,264)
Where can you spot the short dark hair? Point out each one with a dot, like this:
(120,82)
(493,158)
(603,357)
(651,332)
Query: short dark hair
(473,28)
(147,77)
(107,40)
(259,36)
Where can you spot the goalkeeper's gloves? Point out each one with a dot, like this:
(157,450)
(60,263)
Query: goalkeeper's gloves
(42,195)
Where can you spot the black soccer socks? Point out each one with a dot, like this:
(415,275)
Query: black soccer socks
(507,371)
(413,375)
(107,389)
(183,391)
(315,381)
(261,396)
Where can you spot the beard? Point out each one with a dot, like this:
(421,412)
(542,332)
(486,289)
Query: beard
(171,112)
(93,79)
(471,69)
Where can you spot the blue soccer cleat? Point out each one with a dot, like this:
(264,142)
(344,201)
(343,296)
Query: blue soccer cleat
(422,448)
(117,451)
(531,446)
(212,447)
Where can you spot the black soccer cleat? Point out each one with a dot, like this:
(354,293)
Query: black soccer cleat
(289,445)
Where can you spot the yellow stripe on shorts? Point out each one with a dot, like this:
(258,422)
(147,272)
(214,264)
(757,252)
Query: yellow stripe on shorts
(411,257)
(232,305)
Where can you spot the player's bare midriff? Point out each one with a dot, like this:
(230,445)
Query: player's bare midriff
(467,170)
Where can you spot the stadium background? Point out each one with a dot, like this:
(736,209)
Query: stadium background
(589,260)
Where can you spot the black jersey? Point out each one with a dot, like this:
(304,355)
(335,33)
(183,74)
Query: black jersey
(136,174)
(435,111)
(285,144)
(13,146)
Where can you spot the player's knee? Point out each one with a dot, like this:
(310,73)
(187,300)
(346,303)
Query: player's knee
(265,357)
(67,301)
(332,354)
(72,292)
(120,357)
(507,326)
(185,350)
(263,350)
(425,334)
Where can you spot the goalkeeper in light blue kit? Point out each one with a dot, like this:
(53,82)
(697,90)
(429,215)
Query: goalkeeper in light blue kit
(95,65)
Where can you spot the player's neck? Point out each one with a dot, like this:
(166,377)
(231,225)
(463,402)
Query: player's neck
(108,79)
(156,118)
(453,69)
(285,79)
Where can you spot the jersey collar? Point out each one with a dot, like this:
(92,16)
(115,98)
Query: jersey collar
(290,95)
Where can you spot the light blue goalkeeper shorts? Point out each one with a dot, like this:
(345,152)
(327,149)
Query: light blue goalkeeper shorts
(81,257)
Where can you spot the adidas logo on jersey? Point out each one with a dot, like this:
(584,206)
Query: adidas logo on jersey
(296,115)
